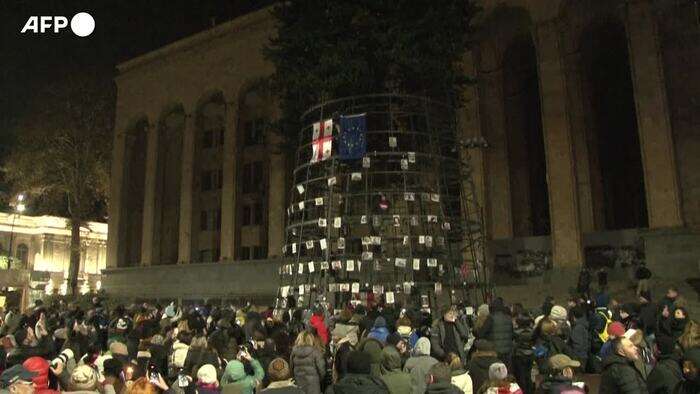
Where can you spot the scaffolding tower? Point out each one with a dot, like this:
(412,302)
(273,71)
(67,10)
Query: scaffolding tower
(383,207)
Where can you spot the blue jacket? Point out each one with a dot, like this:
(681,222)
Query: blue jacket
(379,333)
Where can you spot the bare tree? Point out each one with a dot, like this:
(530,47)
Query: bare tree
(61,159)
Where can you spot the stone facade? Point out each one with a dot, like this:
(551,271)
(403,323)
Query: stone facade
(566,91)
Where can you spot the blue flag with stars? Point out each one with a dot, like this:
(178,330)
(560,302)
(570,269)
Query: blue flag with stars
(352,142)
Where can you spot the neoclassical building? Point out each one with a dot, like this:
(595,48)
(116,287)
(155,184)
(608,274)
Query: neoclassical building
(40,247)
(589,107)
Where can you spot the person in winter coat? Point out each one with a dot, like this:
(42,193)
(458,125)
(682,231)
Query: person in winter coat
(499,381)
(498,329)
(560,377)
(559,315)
(307,363)
(199,354)
(667,372)
(40,367)
(397,381)
(691,373)
(345,341)
(619,374)
(407,332)
(207,382)
(236,378)
(29,345)
(419,365)
(523,355)
(374,348)
(448,335)
(482,359)
(580,336)
(358,379)
(281,381)
(674,324)
(178,355)
(440,380)
(379,330)
(318,323)
(460,377)
(549,344)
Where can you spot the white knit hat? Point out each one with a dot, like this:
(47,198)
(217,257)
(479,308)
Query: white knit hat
(207,374)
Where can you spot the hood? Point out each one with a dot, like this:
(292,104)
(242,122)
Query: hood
(316,320)
(235,370)
(303,351)
(344,330)
(41,367)
(422,347)
(380,322)
(614,359)
(391,359)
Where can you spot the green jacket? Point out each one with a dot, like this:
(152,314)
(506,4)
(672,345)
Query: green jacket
(396,380)
(235,380)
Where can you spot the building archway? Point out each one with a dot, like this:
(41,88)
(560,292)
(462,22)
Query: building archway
(168,177)
(525,139)
(617,172)
(134,190)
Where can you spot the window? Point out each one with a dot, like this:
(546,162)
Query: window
(257,213)
(205,256)
(203,223)
(22,255)
(206,181)
(245,253)
(217,220)
(207,139)
(247,215)
(254,132)
(259,252)
(252,177)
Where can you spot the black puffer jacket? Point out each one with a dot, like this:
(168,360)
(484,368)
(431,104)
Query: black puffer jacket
(479,369)
(358,384)
(498,328)
(580,339)
(308,368)
(665,375)
(621,377)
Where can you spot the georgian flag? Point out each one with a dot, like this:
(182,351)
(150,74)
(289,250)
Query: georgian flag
(322,140)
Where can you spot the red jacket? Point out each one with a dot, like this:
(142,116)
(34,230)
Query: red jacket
(316,322)
(41,380)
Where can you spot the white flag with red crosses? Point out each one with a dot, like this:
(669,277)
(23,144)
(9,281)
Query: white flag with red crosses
(322,140)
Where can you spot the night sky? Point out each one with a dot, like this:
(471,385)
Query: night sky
(123,29)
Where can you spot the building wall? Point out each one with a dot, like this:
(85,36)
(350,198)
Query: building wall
(226,61)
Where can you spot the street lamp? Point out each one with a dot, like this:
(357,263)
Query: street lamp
(19,208)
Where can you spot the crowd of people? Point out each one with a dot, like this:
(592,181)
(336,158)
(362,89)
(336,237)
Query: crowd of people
(635,347)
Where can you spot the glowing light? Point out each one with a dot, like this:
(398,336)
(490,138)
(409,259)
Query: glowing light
(98,285)
(63,290)
(20,207)
(49,288)
(20,197)
(84,288)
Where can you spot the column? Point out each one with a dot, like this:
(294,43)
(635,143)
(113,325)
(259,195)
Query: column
(149,197)
(561,172)
(579,133)
(115,237)
(499,211)
(184,254)
(655,138)
(276,196)
(470,123)
(228,190)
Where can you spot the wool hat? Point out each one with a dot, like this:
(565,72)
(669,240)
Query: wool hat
(278,370)
(558,312)
(561,361)
(666,344)
(498,371)
(207,374)
(380,322)
(84,377)
(484,345)
(616,329)
(118,348)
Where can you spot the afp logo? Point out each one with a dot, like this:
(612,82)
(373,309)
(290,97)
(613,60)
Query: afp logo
(82,24)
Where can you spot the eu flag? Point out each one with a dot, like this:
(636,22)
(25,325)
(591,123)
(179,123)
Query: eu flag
(352,142)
